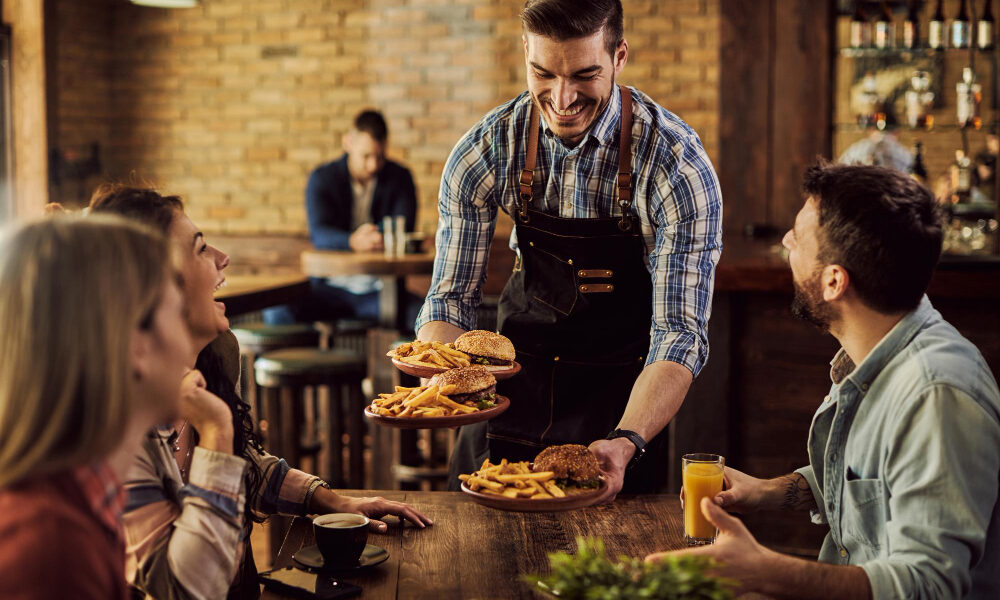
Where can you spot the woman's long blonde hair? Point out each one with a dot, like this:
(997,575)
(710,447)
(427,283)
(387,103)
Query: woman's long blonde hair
(72,291)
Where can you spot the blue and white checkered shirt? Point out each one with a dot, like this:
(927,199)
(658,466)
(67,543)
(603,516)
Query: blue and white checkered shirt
(676,197)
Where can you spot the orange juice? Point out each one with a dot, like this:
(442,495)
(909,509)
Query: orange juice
(701,479)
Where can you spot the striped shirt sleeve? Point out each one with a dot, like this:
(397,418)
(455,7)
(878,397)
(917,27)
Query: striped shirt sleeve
(285,490)
(191,549)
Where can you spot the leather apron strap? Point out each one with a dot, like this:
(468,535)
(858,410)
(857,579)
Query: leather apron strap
(624,187)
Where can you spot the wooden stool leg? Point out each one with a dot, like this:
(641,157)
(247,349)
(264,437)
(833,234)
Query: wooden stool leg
(356,431)
(335,441)
(272,412)
(291,422)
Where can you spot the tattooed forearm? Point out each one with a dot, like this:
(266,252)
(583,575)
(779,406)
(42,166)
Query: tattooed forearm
(797,495)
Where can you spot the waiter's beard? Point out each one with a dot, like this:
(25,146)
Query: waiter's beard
(808,303)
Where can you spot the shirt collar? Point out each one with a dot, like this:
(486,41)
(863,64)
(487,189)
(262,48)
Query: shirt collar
(605,128)
(104,494)
(861,376)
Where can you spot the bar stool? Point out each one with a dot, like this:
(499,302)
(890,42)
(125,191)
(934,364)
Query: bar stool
(258,338)
(284,375)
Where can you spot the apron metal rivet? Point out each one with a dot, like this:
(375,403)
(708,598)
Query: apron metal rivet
(556,359)
(532,244)
(570,261)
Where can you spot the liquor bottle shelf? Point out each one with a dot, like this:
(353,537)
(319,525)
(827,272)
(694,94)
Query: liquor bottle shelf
(909,52)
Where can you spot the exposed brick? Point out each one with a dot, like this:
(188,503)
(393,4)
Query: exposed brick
(232,104)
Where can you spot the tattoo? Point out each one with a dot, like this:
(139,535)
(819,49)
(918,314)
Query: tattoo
(797,494)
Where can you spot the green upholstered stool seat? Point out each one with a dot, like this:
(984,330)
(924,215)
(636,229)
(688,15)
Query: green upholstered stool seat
(260,337)
(308,366)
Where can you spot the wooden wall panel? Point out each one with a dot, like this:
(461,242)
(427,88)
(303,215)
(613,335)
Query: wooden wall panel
(744,115)
(802,95)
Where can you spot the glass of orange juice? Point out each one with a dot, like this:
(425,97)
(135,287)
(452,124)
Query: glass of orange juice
(702,475)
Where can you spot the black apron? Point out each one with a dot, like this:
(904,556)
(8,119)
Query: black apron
(578,309)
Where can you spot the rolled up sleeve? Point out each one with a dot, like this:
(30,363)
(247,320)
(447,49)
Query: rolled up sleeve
(687,211)
(467,209)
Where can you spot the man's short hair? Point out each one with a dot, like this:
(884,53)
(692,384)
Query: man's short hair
(571,19)
(372,123)
(883,227)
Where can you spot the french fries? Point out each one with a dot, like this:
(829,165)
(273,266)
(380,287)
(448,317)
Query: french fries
(513,480)
(420,402)
(430,354)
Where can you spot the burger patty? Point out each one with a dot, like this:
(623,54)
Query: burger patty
(476,359)
(571,462)
(483,394)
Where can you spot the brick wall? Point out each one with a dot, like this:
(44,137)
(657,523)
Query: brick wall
(232,104)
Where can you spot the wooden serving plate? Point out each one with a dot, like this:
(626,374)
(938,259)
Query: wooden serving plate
(573,500)
(502,404)
(428,372)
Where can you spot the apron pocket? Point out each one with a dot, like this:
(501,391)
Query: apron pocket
(550,281)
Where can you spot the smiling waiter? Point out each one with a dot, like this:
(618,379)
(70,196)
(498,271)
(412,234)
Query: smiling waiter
(617,214)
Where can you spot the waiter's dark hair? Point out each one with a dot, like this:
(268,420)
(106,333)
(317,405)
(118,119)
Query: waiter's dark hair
(883,227)
(570,19)
(372,123)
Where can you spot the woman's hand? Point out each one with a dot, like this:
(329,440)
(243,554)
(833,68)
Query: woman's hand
(207,413)
(326,500)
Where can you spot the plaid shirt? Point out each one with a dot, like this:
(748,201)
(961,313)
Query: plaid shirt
(105,496)
(676,196)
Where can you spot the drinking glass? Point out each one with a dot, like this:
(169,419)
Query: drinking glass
(702,476)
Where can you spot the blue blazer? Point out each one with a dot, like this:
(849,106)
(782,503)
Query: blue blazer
(329,201)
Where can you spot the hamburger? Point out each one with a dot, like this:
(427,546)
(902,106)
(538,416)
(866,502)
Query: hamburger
(474,385)
(574,466)
(492,350)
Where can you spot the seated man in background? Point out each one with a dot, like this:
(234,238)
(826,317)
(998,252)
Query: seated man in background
(905,450)
(346,200)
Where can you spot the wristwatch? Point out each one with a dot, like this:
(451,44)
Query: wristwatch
(635,438)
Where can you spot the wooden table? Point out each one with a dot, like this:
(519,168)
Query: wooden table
(391,270)
(247,293)
(478,552)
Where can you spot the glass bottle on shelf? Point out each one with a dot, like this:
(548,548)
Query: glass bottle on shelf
(885,29)
(869,102)
(919,101)
(911,26)
(919,170)
(960,27)
(935,30)
(861,32)
(961,178)
(984,27)
(970,94)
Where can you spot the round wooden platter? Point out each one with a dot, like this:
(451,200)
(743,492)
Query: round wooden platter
(428,372)
(502,404)
(573,500)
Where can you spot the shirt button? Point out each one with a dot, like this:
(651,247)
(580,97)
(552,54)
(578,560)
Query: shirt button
(833,457)
(843,553)
(864,387)
(830,506)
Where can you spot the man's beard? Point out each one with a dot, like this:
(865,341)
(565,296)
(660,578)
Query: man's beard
(808,304)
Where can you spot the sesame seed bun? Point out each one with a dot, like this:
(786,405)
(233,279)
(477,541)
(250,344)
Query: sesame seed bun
(465,379)
(487,344)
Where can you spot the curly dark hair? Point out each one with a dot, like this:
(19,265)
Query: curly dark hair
(148,206)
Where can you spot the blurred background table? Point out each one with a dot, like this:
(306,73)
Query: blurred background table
(478,552)
(392,270)
(248,293)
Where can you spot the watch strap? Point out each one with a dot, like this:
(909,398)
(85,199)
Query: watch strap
(635,438)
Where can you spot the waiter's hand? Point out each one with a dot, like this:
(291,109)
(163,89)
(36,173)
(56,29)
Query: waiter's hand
(366,239)
(613,456)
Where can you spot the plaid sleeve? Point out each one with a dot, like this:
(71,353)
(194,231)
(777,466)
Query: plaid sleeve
(688,215)
(467,208)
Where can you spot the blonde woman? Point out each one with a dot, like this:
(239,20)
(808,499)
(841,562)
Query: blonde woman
(191,502)
(92,353)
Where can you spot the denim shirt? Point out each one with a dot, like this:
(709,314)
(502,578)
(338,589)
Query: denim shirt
(904,460)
